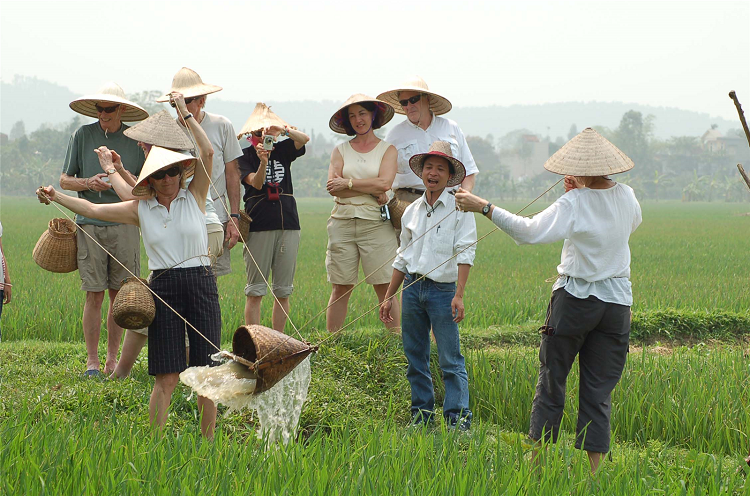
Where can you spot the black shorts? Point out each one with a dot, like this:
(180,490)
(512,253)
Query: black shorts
(191,292)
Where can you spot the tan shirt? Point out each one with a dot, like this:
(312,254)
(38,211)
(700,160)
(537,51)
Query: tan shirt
(359,166)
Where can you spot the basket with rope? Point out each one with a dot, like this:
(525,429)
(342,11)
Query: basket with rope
(243,226)
(269,353)
(57,249)
(134,306)
(397,207)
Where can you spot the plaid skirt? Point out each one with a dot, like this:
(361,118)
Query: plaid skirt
(191,292)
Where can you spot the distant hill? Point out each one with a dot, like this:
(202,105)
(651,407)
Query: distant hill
(36,102)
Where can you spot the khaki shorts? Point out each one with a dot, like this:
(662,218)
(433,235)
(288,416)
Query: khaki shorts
(275,252)
(223,264)
(215,242)
(352,240)
(98,270)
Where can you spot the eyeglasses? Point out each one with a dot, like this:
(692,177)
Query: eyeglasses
(258,133)
(171,172)
(191,99)
(106,110)
(411,100)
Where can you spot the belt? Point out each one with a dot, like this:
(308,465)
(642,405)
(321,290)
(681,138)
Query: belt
(412,190)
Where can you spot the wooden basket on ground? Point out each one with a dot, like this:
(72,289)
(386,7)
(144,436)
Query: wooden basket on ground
(243,225)
(279,354)
(134,306)
(57,249)
(396,208)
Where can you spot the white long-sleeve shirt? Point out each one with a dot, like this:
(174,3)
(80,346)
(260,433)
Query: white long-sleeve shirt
(596,225)
(410,139)
(453,234)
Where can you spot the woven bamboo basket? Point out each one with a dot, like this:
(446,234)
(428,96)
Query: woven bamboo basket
(279,353)
(57,250)
(397,208)
(134,306)
(244,225)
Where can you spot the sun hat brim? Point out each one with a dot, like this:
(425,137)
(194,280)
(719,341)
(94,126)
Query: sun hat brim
(438,104)
(416,163)
(86,105)
(191,91)
(336,122)
(588,154)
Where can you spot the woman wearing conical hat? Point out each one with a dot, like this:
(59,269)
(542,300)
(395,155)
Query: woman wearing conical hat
(273,238)
(360,174)
(172,223)
(589,313)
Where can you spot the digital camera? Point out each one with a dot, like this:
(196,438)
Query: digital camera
(268,142)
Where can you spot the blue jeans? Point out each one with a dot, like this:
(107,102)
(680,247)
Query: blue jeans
(428,304)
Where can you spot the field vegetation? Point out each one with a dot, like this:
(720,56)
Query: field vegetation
(680,414)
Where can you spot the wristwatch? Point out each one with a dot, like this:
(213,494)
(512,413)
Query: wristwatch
(486,209)
(111,171)
(236,216)
(350,184)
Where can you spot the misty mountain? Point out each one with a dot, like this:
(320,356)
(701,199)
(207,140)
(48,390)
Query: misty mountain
(38,102)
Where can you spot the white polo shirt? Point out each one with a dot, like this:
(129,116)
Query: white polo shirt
(455,233)
(410,140)
(174,237)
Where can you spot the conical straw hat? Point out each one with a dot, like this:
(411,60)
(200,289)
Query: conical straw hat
(277,353)
(438,104)
(109,93)
(385,113)
(190,84)
(261,117)
(588,154)
(158,158)
(160,130)
(439,149)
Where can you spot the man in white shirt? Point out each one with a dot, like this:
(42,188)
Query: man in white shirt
(226,173)
(422,127)
(435,269)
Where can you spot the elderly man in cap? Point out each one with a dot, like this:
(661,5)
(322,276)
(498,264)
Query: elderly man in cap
(422,127)
(225,176)
(82,173)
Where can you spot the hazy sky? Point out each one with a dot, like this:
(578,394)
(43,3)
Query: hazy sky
(677,54)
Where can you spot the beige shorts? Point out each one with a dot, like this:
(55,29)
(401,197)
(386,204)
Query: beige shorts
(223,263)
(215,242)
(352,240)
(275,252)
(98,270)
(408,197)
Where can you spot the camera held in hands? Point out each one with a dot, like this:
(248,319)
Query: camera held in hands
(268,142)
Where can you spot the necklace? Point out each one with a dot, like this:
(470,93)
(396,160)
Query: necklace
(430,209)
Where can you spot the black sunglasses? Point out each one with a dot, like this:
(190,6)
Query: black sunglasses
(171,172)
(106,110)
(191,99)
(411,100)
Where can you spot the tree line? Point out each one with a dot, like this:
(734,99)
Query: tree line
(676,168)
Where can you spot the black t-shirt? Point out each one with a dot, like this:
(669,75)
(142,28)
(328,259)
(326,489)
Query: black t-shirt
(271,215)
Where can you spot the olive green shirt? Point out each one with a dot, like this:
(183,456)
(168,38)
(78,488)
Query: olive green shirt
(81,161)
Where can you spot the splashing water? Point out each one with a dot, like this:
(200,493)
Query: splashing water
(232,384)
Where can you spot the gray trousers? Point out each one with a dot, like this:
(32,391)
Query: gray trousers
(598,333)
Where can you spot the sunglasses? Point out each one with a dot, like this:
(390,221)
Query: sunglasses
(171,172)
(258,133)
(411,100)
(191,99)
(106,110)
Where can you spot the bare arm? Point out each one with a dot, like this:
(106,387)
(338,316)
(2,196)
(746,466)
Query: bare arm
(469,182)
(256,179)
(457,304)
(202,179)
(7,286)
(397,278)
(300,139)
(372,186)
(233,185)
(93,183)
(124,212)
(122,182)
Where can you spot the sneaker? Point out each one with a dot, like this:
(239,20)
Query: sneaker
(463,424)
(421,419)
